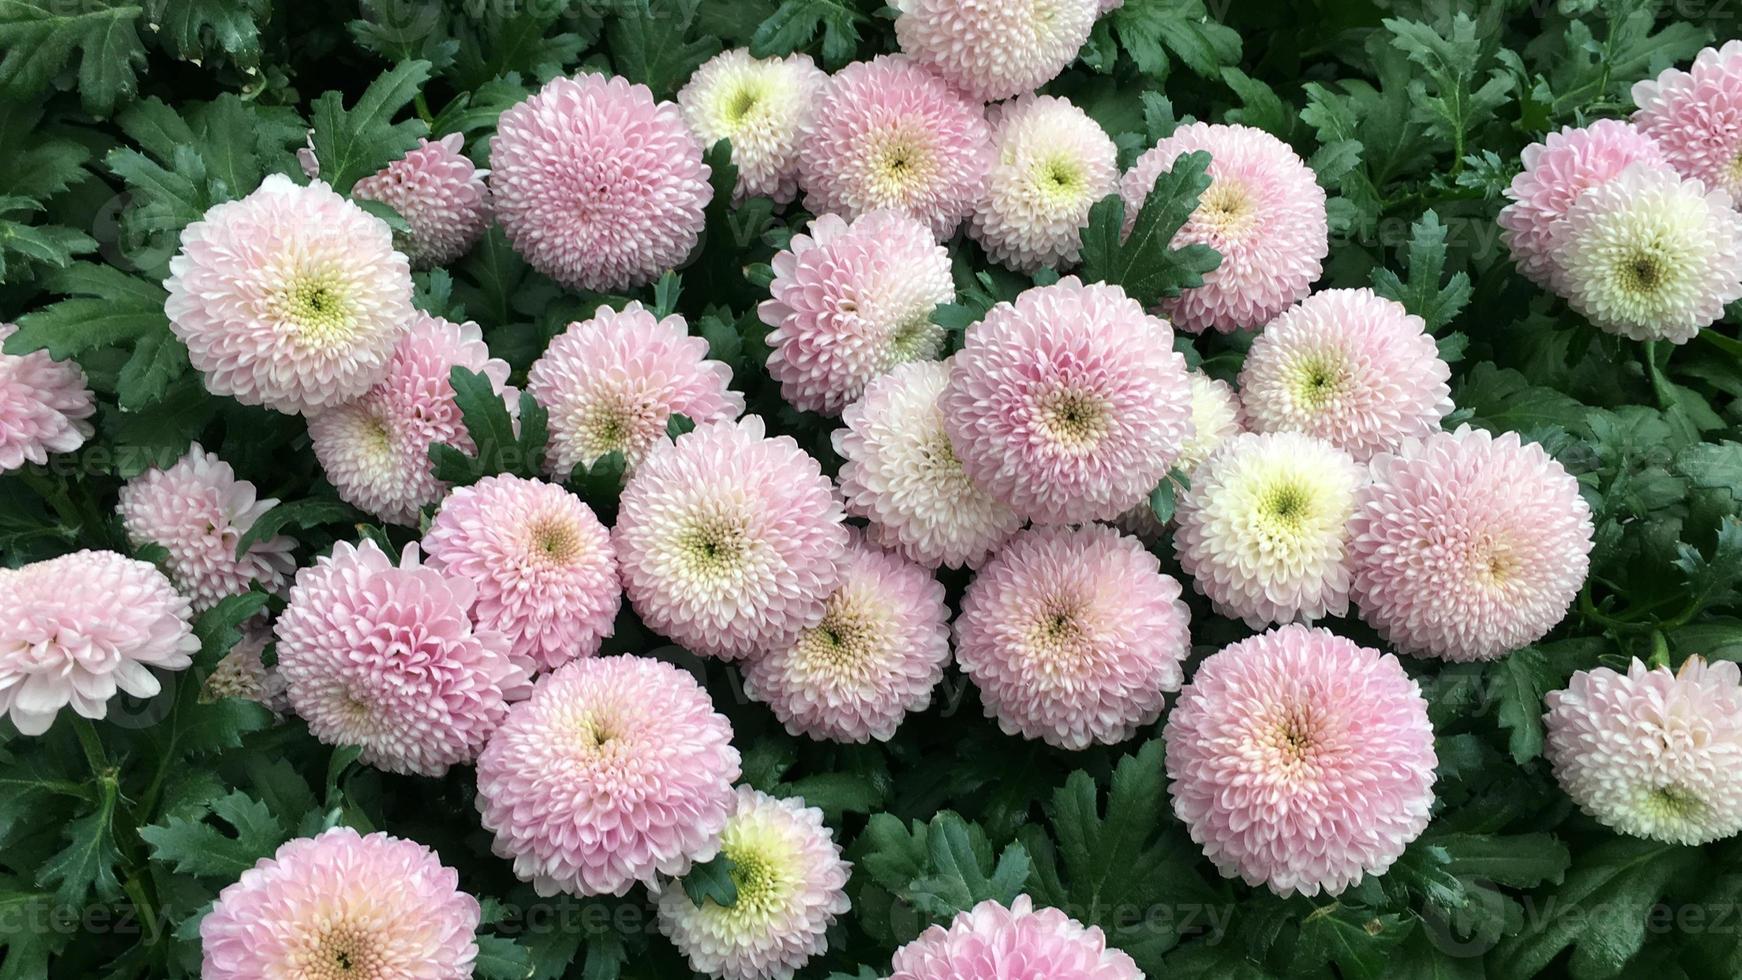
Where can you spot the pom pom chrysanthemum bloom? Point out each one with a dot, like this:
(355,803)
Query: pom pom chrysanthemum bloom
(543,564)
(902,475)
(1301,760)
(879,650)
(1054,163)
(762,105)
(292,297)
(342,906)
(612,382)
(1651,256)
(598,186)
(995,49)
(616,770)
(1653,753)
(385,657)
(1467,546)
(1349,366)
(78,628)
(1696,117)
(375,449)
(1216,418)
(197,511)
(1556,171)
(730,541)
(1264,213)
(1070,404)
(44,406)
(890,134)
(440,194)
(791,884)
(851,301)
(1021,942)
(1263,529)
(1073,636)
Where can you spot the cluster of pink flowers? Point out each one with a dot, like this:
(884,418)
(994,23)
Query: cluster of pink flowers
(1635,223)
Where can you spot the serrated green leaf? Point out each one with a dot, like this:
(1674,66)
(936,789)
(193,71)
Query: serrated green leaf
(500,958)
(796,23)
(1144,262)
(1424,295)
(1357,941)
(301,514)
(39,38)
(353,143)
(1714,580)
(712,881)
(193,30)
(1150,29)
(220,627)
(654,47)
(158,359)
(196,846)
(88,861)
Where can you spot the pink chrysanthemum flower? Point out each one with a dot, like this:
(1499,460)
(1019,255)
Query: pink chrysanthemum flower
(1653,753)
(292,297)
(78,628)
(1651,256)
(1264,212)
(1264,528)
(440,194)
(343,905)
(889,134)
(1073,636)
(762,105)
(616,770)
(1216,418)
(375,449)
(543,564)
(1053,164)
(1351,367)
(991,942)
(730,541)
(879,650)
(44,406)
(598,186)
(995,49)
(903,477)
(1467,546)
(791,883)
(385,657)
(1556,171)
(851,301)
(612,382)
(198,511)
(1070,405)
(1696,117)
(1301,760)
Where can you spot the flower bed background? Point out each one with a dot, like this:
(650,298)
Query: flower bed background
(1502,443)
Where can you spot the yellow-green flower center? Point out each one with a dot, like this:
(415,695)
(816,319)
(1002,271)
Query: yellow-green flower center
(1318,381)
(1644,271)
(316,306)
(557,541)
(1076,420)
(344,952)
(1058,179)
(901,160)
(1283,509)
(844,639)
(1673,803)
(1227,208)
(743,100)
(712,546)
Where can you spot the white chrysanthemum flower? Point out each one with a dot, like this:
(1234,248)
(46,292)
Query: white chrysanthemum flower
(1652,256)
(1054,163)
(902,475)
(762,106)
(791,883)
(1264,529)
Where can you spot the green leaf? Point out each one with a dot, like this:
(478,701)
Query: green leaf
(1501,399)
(1600,911)
(1516,860)
(1144,262)
(1713,466)
(27,949)
(39,38)
(197,846)
(1423,295)
(1358,941)
(648,45)
(353,143)
(1521,680)
(1712,581)
(600,483)
(1450,101)
(159,358)
(942,867)
(498,448)
(500,958)
(300,514)
(193,30)
(88,861)
(220,627)
(712,882)
(1149,29)
(796,23)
